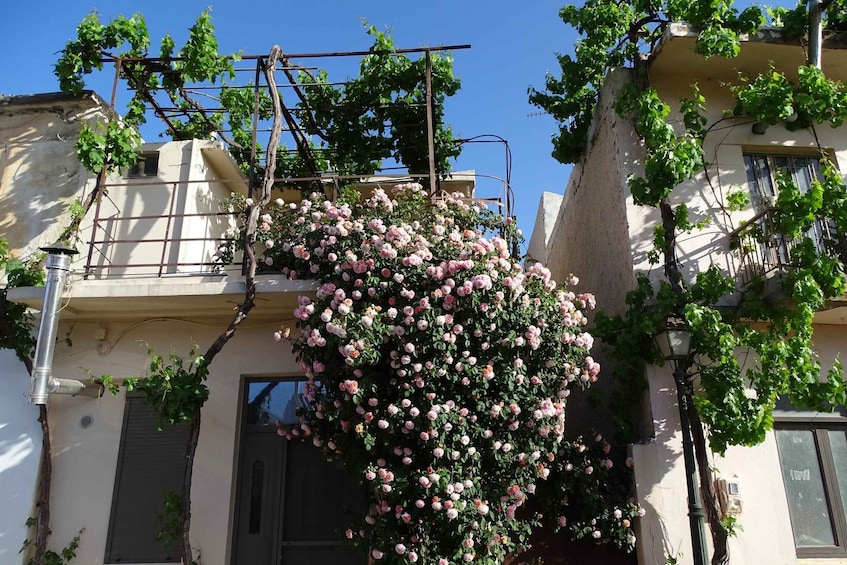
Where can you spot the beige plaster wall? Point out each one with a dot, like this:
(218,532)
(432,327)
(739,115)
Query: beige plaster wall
(186,185)
(39,173)
(590,237)
(85,459)
(20,450)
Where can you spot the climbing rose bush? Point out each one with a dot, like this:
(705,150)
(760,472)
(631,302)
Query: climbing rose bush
(439,370)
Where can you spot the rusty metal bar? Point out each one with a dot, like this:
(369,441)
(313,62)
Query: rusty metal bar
(169,239)
(99,186)
(178,264)
(187,215)
(762,249)
(430,126)
(132,182)
(734,233)
(168,227)
(115,84)
(311,55)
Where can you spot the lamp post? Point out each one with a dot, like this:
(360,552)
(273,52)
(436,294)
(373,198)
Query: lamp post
(674,341)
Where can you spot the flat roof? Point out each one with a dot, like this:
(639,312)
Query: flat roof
(677,55)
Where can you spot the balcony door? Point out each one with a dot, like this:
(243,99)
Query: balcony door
(292,505)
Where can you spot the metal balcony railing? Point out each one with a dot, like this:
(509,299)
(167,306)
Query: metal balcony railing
(142,228)
(155,238)
(762,251)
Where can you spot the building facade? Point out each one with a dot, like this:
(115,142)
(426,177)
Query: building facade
(788,491)
(148,277)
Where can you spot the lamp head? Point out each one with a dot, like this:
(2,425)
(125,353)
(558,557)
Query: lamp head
(674,339)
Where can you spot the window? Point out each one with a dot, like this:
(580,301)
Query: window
(813,460)
(762,248)
(151,464)
(803,170)
(146,166)
(761,169)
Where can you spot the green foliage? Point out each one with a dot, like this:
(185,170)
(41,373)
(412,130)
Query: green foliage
(794,22)
(390,89)
(379,115)
(619,34)
(731,525)
(174,387)
(670,159)
(170,522)
(756,351)
(737,200)
(769,98)
(200,59)
(51,557)
(623,335)
(693,112)
(114,145)
(16,321)
(82,55)
(819,99)
(835,16)
(110,145)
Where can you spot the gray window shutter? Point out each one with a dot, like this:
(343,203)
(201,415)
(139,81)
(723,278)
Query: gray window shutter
(151,463)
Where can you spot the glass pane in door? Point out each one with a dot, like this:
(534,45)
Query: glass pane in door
(801,474)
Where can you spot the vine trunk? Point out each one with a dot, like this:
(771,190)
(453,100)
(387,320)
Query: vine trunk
(243,309)
(185,517)
(720,538)
(42,499)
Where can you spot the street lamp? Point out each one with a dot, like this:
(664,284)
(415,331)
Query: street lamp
(674,341)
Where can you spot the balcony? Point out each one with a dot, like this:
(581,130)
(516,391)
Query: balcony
(762,253)
(148,248)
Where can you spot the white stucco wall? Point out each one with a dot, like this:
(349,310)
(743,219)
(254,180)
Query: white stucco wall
(545,225)
(20,450)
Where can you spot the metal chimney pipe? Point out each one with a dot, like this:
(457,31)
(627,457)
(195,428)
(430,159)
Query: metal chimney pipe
(58,266)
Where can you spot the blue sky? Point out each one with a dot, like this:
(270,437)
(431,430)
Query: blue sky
(513,46)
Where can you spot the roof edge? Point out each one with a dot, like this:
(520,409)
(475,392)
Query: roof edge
(831,39)
(49,97)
